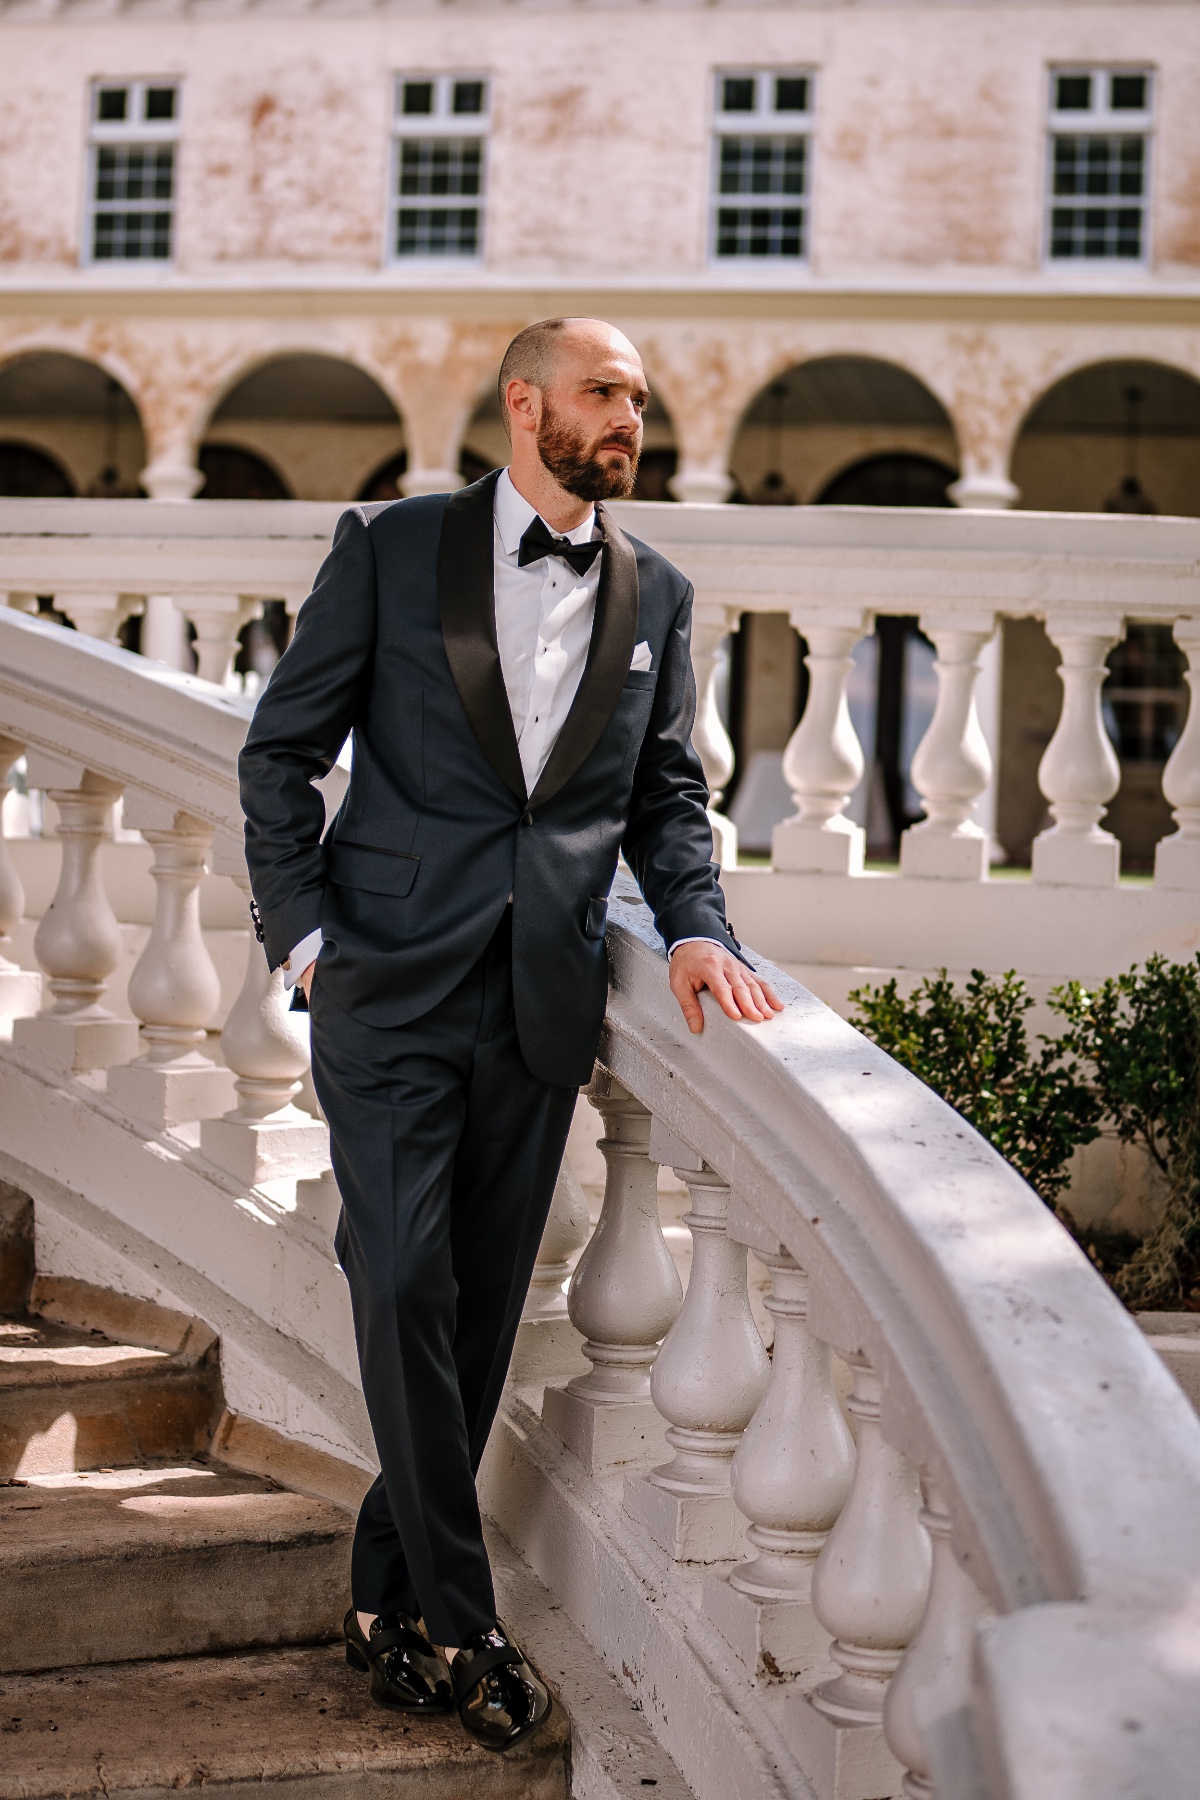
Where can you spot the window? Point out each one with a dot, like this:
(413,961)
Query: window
(441,127)
(134,127)
(761,164)
(1098,164)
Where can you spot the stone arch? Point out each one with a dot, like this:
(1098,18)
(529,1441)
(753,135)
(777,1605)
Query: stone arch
(815,419)
(78,414)
(1106,423)
(268,408)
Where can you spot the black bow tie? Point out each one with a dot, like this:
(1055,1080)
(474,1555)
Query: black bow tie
(539,541)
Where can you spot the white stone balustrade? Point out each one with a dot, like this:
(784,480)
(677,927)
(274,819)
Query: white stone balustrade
(173,989)
(99,615)
(547,1346)
(624,1297)
(218,619)
(1177,858)
(933,1680)
(791,1474)
(869,1591)
(78,941)
(707,1379)
(823,762)
(709,736)
(20,989)
(1079,772)
(952,765)
(265,1137)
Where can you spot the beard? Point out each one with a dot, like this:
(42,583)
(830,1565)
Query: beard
(575,462)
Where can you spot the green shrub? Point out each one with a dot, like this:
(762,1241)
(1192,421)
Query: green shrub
(1127,1063)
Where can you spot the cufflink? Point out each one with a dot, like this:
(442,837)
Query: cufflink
(258,930)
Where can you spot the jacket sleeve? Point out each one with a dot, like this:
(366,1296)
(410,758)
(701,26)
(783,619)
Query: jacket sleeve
(316,693)
(668,840)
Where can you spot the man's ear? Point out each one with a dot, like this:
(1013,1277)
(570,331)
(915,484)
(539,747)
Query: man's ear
(522,400)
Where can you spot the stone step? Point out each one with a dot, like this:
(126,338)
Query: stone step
(113,1565)
(71,1398)
(236,1724)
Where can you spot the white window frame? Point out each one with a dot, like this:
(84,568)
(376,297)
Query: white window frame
(764,121)
(137,131)
(1101,119)
(439,125)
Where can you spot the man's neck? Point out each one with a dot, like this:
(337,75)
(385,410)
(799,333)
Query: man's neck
(533,481)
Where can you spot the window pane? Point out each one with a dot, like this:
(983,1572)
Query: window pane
(112,105)
(132,236)
(440,167)
(160,103)
(134,172)
(1128,93)
(1073,93)
(791,93)
(418,97)
(760,231)
(468,96)
(762,165)
(1099,166)
(737,93)
(1096,231)
(437,231)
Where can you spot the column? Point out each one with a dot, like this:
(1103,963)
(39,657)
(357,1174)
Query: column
(265,1137)
(1079,772)
(706,1382)
(791,1474)
(710,739)
(548,1347)
(952,765)
(218,619)
(701,484)
(624,1297)
(869,1589)
(20,989)
(172,475)
(173,989)
(983,488)
(823,762)
(934,1677)
(78,940)
(1177,858)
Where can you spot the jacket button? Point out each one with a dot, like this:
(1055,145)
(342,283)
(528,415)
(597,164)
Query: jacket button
(527,818)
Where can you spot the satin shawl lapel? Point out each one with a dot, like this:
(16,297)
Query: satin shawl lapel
(614,634)
(467,605)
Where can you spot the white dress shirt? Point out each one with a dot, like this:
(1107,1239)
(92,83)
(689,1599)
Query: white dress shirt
(544,617)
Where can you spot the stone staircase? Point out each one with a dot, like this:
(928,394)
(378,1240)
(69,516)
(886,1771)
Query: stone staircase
(171,1609)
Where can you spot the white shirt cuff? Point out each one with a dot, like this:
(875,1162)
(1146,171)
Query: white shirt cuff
(693,940)
(306,951)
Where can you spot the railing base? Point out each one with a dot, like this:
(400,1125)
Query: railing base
(691,1528)
(20,993)
(770,1638)
(74,1044)
(605,1434)
(257,1150)
(843,1762)
(163,1097)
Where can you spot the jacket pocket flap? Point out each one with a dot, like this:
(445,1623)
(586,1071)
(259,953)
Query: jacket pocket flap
(374,871)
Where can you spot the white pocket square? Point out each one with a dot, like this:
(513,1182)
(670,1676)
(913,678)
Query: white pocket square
(641,658)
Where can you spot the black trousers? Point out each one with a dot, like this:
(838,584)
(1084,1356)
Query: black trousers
(446,1150)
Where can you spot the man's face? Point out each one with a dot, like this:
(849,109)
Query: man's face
(589,434)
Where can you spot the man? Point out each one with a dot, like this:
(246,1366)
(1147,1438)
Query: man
(516,674)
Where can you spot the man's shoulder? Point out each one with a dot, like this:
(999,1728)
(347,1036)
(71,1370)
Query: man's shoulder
(388,515)
(653,566)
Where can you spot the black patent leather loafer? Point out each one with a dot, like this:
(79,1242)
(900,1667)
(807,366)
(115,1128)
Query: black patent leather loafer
(407,1673)
(501,1699)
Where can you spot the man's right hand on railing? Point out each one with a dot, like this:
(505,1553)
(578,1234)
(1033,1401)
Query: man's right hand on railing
(698,963)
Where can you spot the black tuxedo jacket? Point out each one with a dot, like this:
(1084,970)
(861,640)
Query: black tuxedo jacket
(397,645)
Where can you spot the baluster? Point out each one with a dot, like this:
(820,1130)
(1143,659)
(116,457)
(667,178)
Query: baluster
(26,603)
(952,765)
(98,615)
(1177,858)
(78,940)
(218,619)
(265,1137)
(823,762)
(869,1588)
(548,1347)
(173,989)
(164,633)
(934,1677)
(710,739)
(706,1381)
(1079,772)
(624,1298)
(20,989)
(791,1474)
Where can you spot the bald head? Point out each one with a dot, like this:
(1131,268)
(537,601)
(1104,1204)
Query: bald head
(537,354)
